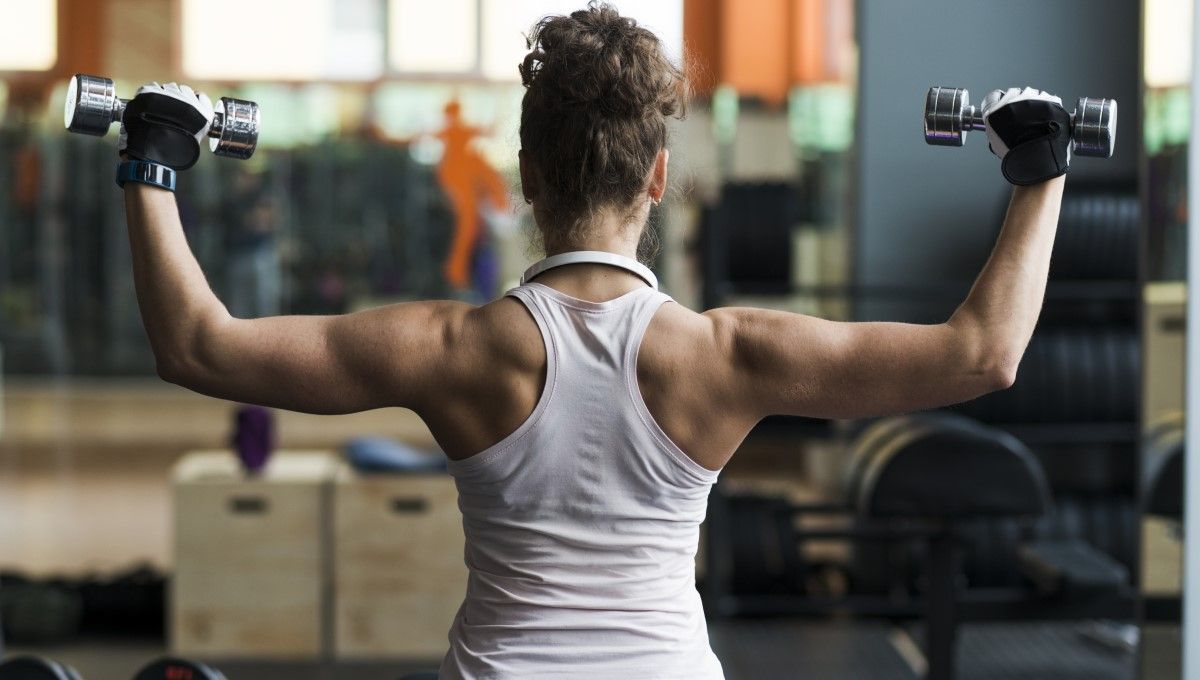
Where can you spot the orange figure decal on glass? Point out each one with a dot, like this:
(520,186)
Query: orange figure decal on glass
(466,177)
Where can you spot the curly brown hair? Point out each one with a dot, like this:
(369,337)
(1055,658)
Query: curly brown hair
(599,90)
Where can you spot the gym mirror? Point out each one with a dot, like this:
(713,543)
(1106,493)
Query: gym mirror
(1166,77)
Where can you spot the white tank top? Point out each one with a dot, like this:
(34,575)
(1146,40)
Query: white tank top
(582,525)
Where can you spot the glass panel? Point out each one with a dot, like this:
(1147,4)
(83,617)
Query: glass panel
(1166,72)
(321,40)
(28,35)
(506,22)
(449,48)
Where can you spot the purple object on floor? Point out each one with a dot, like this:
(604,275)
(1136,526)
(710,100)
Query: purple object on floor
(253,437)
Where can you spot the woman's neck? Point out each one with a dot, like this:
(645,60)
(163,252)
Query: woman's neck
(596,282)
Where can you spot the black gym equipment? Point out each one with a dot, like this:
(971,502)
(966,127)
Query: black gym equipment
(950,521)
(36,668)
(1162,496)
(1162,491)
(173,668)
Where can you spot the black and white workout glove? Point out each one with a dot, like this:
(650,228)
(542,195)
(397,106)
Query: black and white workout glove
(166,124)
(1031,133)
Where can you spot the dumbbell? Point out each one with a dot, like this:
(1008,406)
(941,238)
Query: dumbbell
(92,105)
(949,116)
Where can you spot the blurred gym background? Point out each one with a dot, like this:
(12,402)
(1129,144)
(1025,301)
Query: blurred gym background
(129,528)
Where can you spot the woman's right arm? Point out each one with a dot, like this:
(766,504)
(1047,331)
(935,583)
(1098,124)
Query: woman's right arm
(783,363)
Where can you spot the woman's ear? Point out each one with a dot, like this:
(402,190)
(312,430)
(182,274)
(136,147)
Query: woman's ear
(529,182)
(658,176)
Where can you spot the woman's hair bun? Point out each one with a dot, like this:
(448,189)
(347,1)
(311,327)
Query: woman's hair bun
(597,59)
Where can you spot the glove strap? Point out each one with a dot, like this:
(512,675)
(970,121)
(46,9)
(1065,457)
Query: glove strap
(1036,160)
(145,172)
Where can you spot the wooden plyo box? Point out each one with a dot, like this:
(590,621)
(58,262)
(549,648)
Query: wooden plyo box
(251,572)
(398,568)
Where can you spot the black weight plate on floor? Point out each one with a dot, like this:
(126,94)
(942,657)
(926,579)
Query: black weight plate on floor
(35,668)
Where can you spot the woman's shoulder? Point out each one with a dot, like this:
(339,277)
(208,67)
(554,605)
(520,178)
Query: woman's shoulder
(506,332)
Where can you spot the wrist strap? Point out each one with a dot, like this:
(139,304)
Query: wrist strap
(145,172)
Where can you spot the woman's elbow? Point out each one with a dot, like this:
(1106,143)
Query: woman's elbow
(174,368)
(184,366)
(1002,376)
(998,370)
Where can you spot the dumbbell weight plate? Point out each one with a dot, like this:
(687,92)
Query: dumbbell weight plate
(90,103)
(1094,130)
(944,108)
(235,128)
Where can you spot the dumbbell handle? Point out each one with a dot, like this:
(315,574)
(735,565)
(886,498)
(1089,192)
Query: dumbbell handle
(214,130)
(972,118)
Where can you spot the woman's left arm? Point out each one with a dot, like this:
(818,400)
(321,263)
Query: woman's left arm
(391,356)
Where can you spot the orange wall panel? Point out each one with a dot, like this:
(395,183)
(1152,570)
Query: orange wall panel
(702,44)
(754,47)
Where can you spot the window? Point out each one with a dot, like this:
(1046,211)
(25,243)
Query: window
(28,35)
(506,22)
(297,39)
(345,39)
(426,37)
(1167,41)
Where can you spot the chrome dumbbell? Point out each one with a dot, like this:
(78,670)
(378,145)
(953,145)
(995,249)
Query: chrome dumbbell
(92,105)
(949,115)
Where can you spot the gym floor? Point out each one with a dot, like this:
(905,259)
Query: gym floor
(749,650)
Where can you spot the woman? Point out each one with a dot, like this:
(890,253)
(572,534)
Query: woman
(584,414)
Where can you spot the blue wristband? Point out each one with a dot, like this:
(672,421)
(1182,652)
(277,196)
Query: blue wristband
(145,172)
